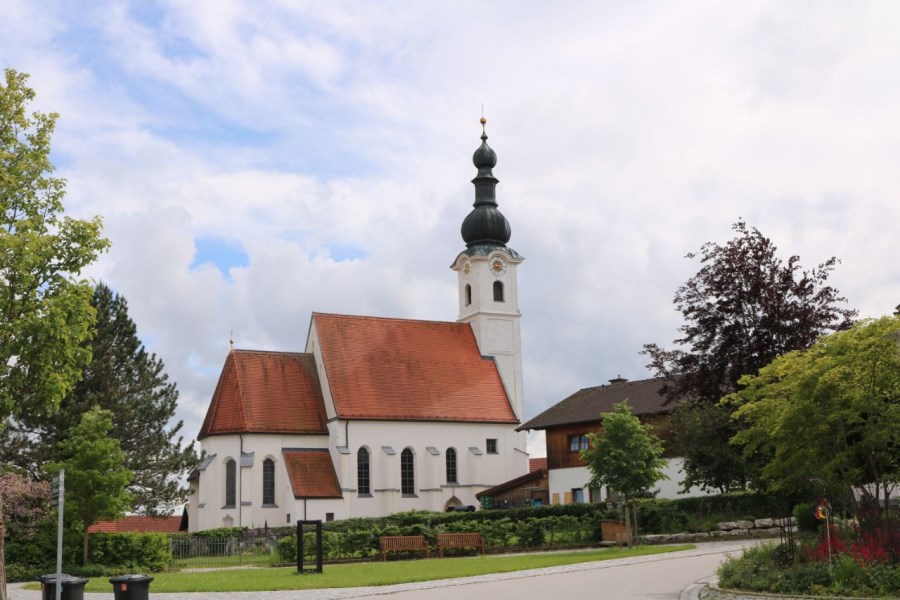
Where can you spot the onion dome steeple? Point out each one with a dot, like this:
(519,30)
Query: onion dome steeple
(485,225)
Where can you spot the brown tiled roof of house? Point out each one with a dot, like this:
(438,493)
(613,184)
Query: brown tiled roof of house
(536,464)
(138,524)
(534,476)
(266,392)
(401,369)
(311,473)
(589,404)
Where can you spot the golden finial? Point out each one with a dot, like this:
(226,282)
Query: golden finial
(231,339)
(483,120)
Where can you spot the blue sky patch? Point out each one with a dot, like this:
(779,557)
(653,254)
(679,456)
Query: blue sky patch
(342,252)
(224,254)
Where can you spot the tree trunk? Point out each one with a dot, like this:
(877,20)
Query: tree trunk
(636,534)
(627,506)
(3,595)
(84,556)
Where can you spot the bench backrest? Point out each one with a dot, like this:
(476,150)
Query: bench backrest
(394,542)
(450,539)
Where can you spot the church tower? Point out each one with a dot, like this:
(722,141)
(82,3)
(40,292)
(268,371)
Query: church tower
(488,294)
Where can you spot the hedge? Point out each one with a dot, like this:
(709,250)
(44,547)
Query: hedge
(130,551)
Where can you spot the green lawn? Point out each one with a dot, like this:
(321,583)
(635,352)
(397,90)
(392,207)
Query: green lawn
(373,573)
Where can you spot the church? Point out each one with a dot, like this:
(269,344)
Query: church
(376,415)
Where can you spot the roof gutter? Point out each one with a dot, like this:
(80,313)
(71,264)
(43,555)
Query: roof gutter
(240,478)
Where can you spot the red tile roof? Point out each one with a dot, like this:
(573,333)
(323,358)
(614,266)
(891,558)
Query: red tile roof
(139,524)
(311,473)
(537,464)
(266,392)
(402,369)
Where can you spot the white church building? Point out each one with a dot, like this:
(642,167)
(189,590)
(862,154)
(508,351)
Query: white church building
(376,415)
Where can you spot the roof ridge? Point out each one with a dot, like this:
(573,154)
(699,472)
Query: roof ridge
(624,383)
(254,351)
(397,319)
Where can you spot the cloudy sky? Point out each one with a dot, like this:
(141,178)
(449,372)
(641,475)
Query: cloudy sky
(256,161)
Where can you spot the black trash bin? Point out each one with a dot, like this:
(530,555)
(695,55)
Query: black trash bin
(72,587)
(131,587)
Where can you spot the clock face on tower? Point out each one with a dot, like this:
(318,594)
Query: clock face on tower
(498,266)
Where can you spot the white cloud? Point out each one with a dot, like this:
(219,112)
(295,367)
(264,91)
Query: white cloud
(627,135)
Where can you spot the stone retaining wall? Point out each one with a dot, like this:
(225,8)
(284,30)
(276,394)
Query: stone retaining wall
(762,528)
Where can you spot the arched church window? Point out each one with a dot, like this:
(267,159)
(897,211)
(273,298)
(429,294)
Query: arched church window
(498,291)
(451,465)
(230,483)
(268,491)
(468,294)
(363,481)
(407,473)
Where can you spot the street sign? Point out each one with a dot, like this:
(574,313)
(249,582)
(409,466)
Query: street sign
(55,488)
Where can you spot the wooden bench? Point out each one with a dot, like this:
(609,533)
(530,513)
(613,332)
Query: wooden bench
(402,543)
(459,540)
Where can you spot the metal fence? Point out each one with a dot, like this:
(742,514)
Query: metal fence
(269,548)
(244,548)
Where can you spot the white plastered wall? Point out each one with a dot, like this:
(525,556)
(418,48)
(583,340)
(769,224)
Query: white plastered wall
(565,480)
(475,471)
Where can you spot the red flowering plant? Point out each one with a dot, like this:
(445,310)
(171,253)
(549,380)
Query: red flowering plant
(828,546)
(878,538)
(866,544)
(871,546)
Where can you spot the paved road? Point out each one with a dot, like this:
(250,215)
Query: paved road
(661,576)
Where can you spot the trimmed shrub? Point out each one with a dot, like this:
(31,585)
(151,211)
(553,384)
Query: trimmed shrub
(531,533)
(134,551)
(19,572)
(287,548)
(661,516)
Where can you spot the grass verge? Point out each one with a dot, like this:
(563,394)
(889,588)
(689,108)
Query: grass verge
(374,573)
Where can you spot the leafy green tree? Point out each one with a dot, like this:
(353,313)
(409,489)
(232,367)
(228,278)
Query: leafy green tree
(125,379)
(830,412)
(45,309)
(698,430)
(96,476)
(744,307)
(625,456)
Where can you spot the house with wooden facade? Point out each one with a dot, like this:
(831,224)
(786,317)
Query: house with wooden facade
(568,423)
